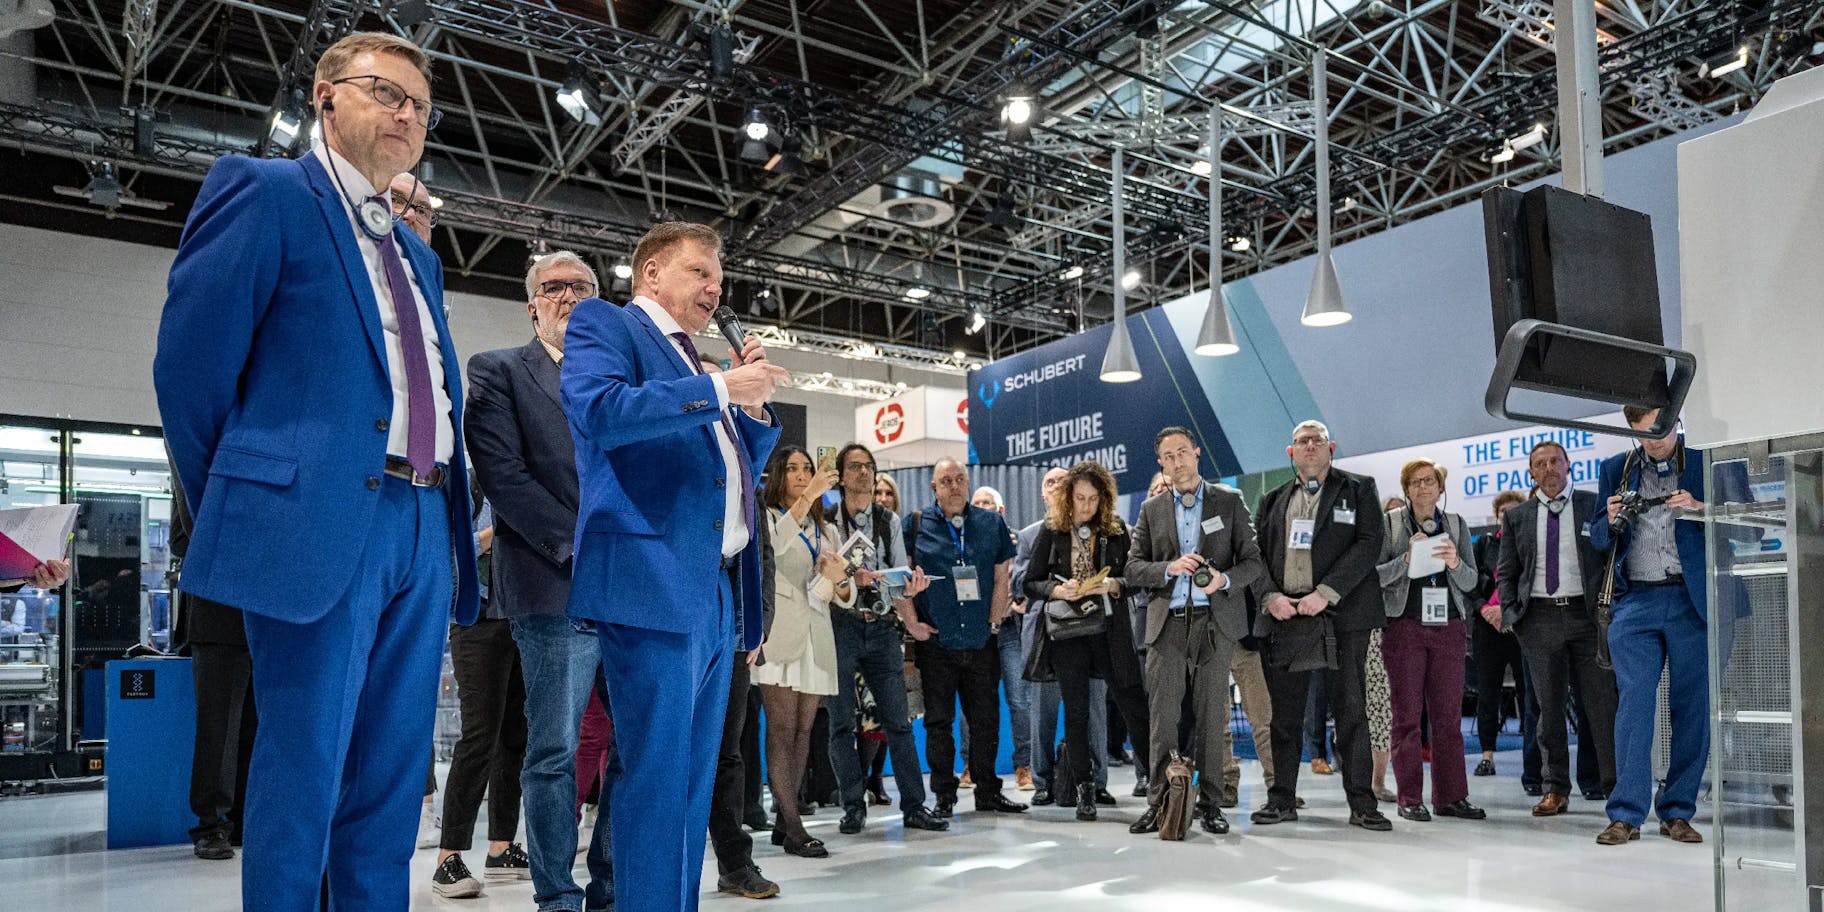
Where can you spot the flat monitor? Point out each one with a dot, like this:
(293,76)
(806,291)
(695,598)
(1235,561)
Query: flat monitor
(1579,261)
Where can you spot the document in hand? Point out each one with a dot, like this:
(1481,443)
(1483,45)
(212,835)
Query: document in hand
(1421,562)
(29,536)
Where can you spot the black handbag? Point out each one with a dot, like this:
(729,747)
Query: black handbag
(1038,655)
(1067,620)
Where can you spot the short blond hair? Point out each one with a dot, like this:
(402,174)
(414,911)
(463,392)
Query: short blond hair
(335,62)
(666,235)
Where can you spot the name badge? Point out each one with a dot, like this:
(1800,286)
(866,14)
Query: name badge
(1434,606)
(1346,517)
(968,586)
(1299,539)
(1213,524)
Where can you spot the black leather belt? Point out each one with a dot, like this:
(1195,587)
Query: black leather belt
(866,617)
(1558,602)
(1672,579)
(729,561)
(399,468)
(1190,609)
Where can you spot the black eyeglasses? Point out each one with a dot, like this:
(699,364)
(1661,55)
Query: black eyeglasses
(404,207)
(861,466)
(554,289)
(392,96)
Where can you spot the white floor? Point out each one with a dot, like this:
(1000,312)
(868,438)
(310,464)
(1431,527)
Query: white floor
(51,858)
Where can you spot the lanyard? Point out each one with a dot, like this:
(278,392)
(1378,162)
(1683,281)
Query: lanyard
(816,549)
(956,534)
(1437,516)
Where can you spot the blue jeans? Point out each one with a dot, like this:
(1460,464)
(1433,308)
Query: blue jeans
(559,658)
(876,652)
(1657,628)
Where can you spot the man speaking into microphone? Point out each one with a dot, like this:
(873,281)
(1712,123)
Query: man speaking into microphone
(666,564)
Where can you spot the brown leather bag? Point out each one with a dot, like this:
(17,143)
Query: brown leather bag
(1178,804)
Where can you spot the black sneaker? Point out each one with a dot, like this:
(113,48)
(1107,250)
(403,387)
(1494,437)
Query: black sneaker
(1272,814)
(1140,785)
(214,846)
(452,880)
(1043,797)
(510,864)
(748,882)
(852,821)
(1104,798)
(920,819)
(1371,820)
(1485,768)
(1414,812)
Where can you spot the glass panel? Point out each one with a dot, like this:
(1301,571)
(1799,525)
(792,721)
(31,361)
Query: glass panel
(31,661)
(1753,630)
(123,484)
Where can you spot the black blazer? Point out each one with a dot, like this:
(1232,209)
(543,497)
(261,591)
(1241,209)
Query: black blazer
(525,462)
(1488,554)
(1051,557)
(1520,553)
(199,620)
(1344,555)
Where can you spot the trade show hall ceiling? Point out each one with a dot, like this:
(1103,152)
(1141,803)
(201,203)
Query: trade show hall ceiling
(885,199)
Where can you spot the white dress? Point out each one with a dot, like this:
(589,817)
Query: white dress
(800,647)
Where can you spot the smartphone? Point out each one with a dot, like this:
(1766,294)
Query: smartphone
(826,458)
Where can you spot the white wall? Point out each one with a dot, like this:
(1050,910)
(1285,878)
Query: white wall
(79,325)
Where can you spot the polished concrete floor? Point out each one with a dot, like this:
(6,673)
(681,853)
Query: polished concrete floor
(52,858)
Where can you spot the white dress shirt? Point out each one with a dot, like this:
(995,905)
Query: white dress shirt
(734,524)
(1570,570)
(398,429)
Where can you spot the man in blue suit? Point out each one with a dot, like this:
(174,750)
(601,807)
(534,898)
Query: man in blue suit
(1660,623)
(312,403)
(665,557)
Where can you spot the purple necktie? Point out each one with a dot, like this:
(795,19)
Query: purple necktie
(747,476)
(420,423)
(1551,550)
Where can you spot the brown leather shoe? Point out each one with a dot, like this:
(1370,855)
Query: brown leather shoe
(1321,766)
(1680,831)
(1552,803)
(1617,833)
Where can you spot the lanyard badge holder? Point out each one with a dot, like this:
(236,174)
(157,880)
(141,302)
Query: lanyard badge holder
(968,585)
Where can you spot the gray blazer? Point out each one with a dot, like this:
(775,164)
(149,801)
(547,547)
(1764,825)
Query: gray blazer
(1396,587)
(1231,549)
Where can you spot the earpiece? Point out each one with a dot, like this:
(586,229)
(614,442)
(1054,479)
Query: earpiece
(1288,452)
(326,105)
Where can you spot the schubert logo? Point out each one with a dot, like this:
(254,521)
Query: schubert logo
(988,393)
(1042,373)
(889,422)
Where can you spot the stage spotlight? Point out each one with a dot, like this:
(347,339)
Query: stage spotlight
(917,293)
(1533,136)
(1002,215)
(1073,271)
(1240,244)
(789,159)
(976,321)
(1722,64)
(721,42)
(578,95)
(1131,279)
(1017,111)
(755,133)
(288,120)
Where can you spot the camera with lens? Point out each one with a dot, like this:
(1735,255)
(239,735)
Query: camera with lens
(1632,505)
(1203,577)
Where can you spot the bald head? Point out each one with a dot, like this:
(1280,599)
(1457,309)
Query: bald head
(950,482)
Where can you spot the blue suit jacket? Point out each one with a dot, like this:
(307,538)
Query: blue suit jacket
(1688,535)
(649,530)
(272,385)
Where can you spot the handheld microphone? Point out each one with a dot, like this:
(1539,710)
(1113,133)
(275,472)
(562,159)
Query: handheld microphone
(731,327)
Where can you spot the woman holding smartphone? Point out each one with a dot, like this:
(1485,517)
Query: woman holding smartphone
(796,662)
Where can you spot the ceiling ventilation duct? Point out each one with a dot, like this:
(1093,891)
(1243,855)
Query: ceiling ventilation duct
(916,199)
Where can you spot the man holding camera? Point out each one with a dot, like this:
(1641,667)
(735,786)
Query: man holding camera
(1660,622)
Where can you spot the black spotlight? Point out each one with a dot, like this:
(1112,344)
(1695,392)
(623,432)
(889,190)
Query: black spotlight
(790,157)
(1002,215)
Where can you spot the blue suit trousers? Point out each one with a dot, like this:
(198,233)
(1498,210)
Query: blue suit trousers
(1658,628)
(668,693)
(347,704)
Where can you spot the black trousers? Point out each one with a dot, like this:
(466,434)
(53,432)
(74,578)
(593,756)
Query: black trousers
(751,758)
(974,677)
(1346,687)
(1495,653)
(492,747)
(1075,661)
(1560,646)
(728,798)
(225,723)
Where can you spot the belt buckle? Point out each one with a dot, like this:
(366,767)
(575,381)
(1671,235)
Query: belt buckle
(1179,612)
(427,481)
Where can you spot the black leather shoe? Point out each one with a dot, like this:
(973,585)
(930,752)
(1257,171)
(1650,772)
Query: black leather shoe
(998,802)
(944,808)
(1086,802)
(1595,795)
(1372,820)
(852,821)
(1141,783)
(1274,813)
(1414,812)
(920,819)
(809,848)
(213,847)
(757,821)
(747,882)
(1043,797)
(1214,822)
(1533,790)
(1463,809)
(1485,768)
(1148,822)
(1104,798)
